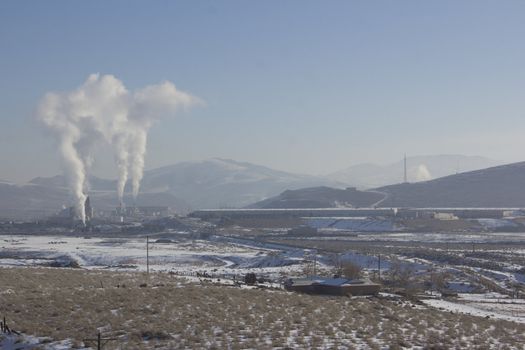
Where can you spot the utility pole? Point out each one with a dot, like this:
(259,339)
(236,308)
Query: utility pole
(379,266)
(147,255)
(315,263)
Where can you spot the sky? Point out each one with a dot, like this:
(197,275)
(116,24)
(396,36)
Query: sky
(302,86)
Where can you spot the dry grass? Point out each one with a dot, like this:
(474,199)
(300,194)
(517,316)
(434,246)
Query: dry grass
(170,313)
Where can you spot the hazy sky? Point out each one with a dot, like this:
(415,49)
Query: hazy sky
(303,86)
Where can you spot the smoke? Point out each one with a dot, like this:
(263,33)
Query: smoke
(103,110)
(422,173)
(121,160)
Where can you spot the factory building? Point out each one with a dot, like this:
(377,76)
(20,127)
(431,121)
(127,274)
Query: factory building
(68,216)
(403,213)
(144,211)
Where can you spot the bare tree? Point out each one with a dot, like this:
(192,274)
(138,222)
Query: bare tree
(400,273)
(351,270)
(439,280)
(337,263)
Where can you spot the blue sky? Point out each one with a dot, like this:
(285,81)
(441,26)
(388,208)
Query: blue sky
(303,86)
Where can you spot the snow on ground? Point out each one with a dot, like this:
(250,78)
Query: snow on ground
(434,237)
(512,310)
(26,342)
(504,279)
(183,255)
(461,286)
(358,224)
(496,223)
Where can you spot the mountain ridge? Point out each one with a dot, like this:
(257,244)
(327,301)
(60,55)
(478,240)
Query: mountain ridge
(206,184)
(499,186)
(320,197)
(419,168)
(225,183)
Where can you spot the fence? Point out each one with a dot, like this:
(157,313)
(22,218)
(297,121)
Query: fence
(4,328)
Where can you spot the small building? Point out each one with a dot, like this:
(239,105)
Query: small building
(514,213)
(332,286)
(445,216)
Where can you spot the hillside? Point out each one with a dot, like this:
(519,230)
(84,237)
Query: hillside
(419,168)
(501,186)
(208,315)
(214,183)
(220,183)
(320,197)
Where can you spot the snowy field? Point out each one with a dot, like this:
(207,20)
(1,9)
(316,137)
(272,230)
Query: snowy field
(477,264)
(182,255)
(434,237)
(421,254)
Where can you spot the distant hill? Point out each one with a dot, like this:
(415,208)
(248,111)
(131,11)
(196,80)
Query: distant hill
(214,183)
(223,183)
(59,181)
(419,168)
(500,186)
(20,202)
(320,197)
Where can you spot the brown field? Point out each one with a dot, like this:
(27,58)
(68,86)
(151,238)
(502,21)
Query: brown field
(171,313)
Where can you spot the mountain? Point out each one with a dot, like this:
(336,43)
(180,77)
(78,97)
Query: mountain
(213,183)
(220,183)
(28,201)
(223,183)
(59,181)
(320,197)
(500,186)
(419,168)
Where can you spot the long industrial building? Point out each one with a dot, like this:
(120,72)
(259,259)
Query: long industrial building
(465,213)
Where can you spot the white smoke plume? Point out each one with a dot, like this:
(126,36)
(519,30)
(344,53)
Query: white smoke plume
(422,173)
(102,109)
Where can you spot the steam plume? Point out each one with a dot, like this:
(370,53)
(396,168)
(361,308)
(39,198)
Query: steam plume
(102,109)
(422,173)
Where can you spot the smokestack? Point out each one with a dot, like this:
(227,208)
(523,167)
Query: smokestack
(103,110)
(88,210)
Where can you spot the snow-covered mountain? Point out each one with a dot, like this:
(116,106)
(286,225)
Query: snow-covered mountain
(419,168)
